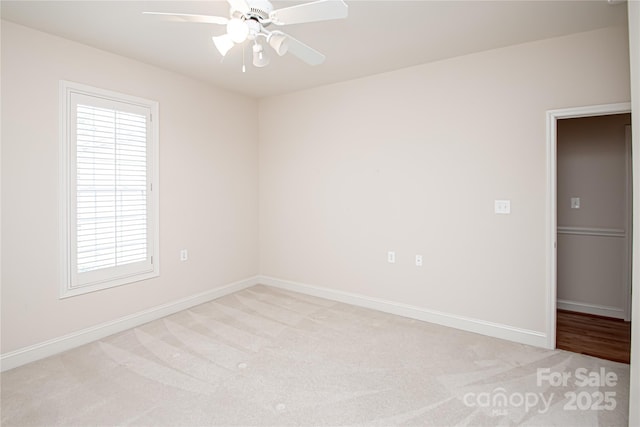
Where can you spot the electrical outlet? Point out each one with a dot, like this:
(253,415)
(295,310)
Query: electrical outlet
(502,207)
(418,260)
(184,255)
(391,257)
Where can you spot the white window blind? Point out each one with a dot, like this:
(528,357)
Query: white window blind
(111,211)
(111,188)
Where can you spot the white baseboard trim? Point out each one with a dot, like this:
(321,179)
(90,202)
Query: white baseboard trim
(48,348)
(496,330)
(598,310)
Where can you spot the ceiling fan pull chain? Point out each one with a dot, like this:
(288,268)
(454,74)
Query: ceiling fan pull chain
(244,67)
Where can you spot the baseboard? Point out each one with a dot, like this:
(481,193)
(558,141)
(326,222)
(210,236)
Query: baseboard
(598,310)
(48,348)
(496,330)
(54,346)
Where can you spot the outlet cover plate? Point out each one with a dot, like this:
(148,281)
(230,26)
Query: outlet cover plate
(391,257)
(502,207)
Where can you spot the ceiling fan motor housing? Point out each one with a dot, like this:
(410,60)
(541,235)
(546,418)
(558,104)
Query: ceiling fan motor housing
(259,10)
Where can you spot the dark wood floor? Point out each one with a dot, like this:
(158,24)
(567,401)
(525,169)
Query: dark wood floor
(594,335)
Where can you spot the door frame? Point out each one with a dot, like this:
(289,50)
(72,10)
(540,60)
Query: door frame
(629,183)
(552,211)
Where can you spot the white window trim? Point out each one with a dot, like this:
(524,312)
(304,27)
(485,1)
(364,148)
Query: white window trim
(66,89)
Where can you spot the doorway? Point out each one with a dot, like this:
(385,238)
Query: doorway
(570,239)
(594,235)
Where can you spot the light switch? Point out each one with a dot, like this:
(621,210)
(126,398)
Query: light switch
(502,206)
(575,203)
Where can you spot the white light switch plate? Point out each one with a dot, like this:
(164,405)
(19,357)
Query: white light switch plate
(575,203)
(502,206)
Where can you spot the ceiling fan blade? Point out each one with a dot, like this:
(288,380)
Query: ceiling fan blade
(186,17)
(304,52)
(239,5)
(320,10)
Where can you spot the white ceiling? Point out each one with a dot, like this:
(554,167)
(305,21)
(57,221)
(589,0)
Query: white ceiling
(378,36)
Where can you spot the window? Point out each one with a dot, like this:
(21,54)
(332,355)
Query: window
(109,186)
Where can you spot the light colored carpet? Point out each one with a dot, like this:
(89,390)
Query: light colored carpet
(264,356)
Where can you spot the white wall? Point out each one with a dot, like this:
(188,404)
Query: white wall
(412,161)
(208,186)
(592,159)
(593,241)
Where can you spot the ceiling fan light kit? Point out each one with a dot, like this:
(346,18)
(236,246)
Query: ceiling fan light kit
(223,43)
(278,41)
(259,58)
(238,30)
(249,19)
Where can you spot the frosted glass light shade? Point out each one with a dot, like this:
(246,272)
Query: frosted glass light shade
(223,43)
(278,42)
(238,30)
(259,57)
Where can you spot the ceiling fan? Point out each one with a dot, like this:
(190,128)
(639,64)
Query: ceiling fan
(249,20)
